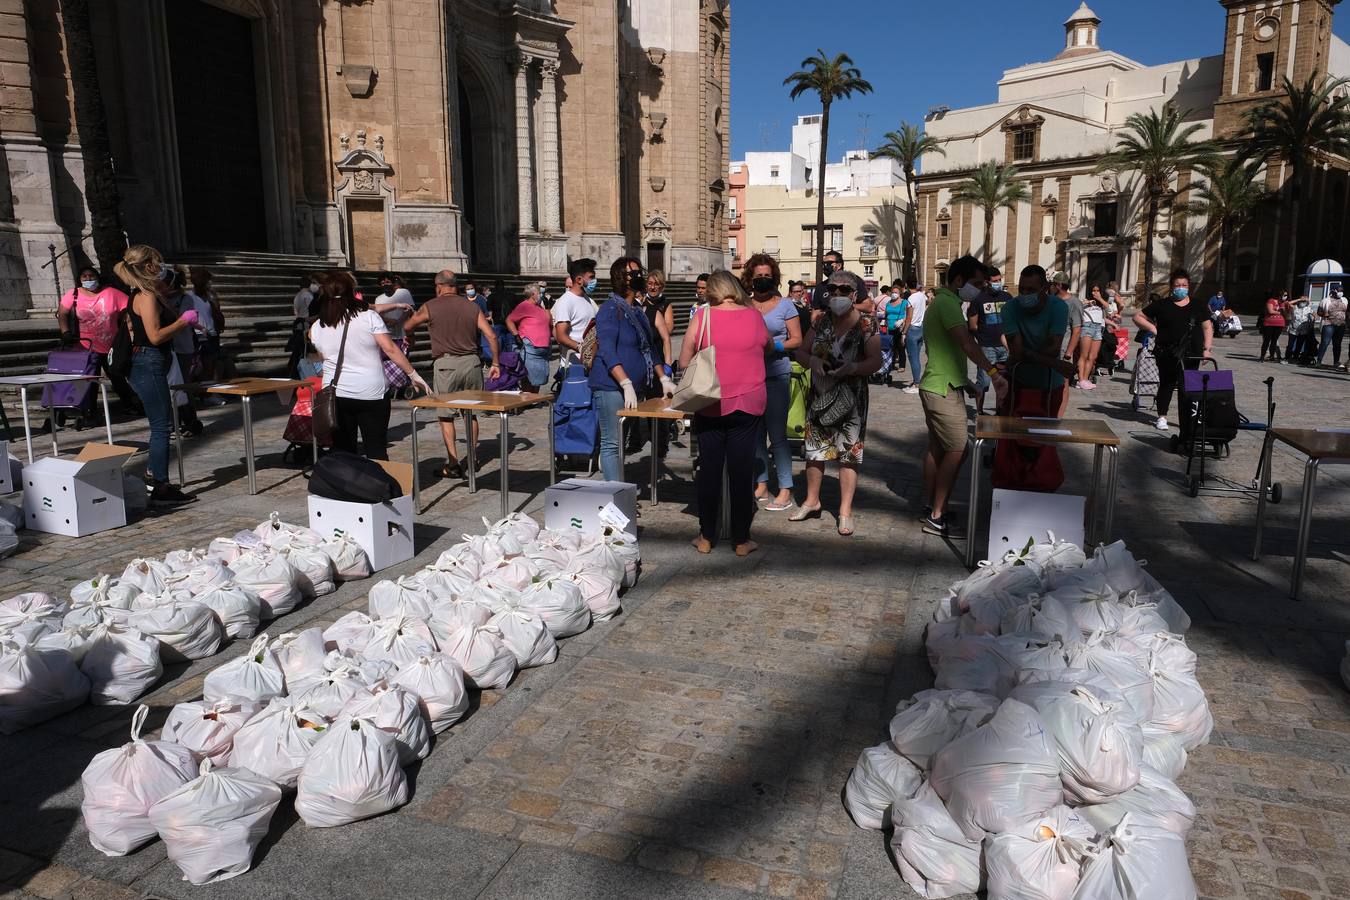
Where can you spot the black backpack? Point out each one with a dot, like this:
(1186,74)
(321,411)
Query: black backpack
(353,479)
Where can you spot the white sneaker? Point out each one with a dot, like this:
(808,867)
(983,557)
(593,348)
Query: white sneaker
(1085,385)
(912,389)
(1161,424)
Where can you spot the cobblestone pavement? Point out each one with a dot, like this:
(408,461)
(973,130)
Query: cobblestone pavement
(697,744)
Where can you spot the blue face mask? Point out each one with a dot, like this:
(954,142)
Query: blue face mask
(1180,293)
(590,286)
(1028,300)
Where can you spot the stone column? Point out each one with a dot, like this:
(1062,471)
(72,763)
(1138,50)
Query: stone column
(524,155)
(550,199)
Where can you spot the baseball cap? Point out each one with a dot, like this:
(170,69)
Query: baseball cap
(1059,278)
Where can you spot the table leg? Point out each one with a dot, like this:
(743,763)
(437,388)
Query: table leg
(177,442)
(471,452)
(417,479)
(552,452)
(1304,526)
(655,460)
(27,428)
(505,437)
(973,519)
(107,416)
(1090,531)
(1112,476)
(248,445)
(1264,480)
(56,446)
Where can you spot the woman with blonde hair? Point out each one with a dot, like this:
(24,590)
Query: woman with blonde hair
(154,324)
(660,313)
(729,429)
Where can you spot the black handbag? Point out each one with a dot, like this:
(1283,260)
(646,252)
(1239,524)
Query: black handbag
(325,399)
(352,479)
(119,354)
(833,405)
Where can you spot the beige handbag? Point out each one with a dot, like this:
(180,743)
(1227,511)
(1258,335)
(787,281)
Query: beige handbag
(699,387)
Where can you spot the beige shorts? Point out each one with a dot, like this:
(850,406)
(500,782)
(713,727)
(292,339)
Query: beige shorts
(946,418)
(456,373)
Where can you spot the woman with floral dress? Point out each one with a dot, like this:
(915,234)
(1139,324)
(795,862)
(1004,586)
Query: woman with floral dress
(842,350)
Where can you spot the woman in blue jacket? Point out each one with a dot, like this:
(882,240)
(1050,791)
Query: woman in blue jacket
(627,360)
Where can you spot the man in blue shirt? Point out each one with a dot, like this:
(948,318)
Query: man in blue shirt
(1217,304)
(1034,325)
(985,317)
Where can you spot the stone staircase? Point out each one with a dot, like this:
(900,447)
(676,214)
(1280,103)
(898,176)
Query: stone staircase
(256,291)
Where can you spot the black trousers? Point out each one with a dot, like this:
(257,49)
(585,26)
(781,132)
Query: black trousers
(726,443)
(1270,341)
(1169,380)
(371,419)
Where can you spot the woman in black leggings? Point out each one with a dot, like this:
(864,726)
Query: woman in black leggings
(1272,323)
(1183,334)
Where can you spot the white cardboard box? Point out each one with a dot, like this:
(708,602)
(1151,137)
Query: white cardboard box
(11,470)
(1017,516)
(384,530)
(575,504)
(79,496)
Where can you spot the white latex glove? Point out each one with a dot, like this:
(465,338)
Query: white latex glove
(629,395)
(667,386)
(419,383)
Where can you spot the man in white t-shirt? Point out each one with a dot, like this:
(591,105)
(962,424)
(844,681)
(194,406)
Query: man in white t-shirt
(575,309)
(395,304)
(912,331)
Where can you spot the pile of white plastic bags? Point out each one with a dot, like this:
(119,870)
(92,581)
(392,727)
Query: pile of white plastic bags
(109,643)
(331,717)
(1041,764)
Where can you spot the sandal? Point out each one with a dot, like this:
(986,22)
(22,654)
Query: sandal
(805,512)
(783,507)
(845,526)
(452,471)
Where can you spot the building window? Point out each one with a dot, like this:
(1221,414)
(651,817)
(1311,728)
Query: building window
(773,171)
(731,245)
(869,270)
(834,235)
(943,229)
(1024,145)
(771,245)
(1265,71)
(1105,220)
(808,239)
(731,209)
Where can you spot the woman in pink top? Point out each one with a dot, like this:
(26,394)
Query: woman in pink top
(728,430)
(92,311)
(530,322)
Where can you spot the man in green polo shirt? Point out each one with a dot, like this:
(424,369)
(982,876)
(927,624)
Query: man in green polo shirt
(945,384)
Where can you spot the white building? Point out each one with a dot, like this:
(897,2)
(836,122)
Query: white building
(1055,119)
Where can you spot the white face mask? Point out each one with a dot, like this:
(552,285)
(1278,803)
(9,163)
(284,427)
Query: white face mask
(89,284)
(840,305)
(313,287)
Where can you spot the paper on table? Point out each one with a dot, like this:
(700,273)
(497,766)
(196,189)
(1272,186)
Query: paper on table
(670,409)
(1041,418)
(515,393)
(276,379)
(466,402)
(1057,431)
(1334,430)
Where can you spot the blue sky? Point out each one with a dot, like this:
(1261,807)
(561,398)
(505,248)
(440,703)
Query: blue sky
(921,54)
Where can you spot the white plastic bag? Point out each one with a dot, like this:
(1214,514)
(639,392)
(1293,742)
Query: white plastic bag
(598,589)
(975,663)
(516,574)
(1099,747)
(37,684)
(492,548)
(1179,703)
(403,597)
(280,535)
(330,694)
(212,825)
(525,635)
(74,639)
(395,710)
(1053,555)
(276,742)
(1040,859)
(932,719)
(255,677)
(451,616)
(120,785)
(185,629)
(517,524)
(486,661)
(185,560)
(101,599)
(188,583)
(1155,800)
(933,856)
(879,778)
(1000,774)
(1164,752)
(300,654)
(400,639)
(559,604)
(121,664)
(350,634)
(1134,860)
(270,578)
(239,611)
(349,558)
(313,567)
(443,585)
(1012,579)
(29,616)
(1123,663)
(207,728)
(146,574)
(1041,616)
(438,683)
(351,774)
(459,558)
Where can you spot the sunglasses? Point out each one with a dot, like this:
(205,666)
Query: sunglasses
(843,290)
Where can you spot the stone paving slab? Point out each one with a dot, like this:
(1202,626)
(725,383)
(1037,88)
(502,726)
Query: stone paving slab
(697,744)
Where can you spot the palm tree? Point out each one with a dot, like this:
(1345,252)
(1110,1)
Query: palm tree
(991,187)
(1305,126)
(1231,196)
(1157,145)
(905,147)
(831,80)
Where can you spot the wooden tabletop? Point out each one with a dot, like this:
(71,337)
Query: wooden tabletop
(1330,444)
(249,387)
(1046,431)
(656,408)
(482,401)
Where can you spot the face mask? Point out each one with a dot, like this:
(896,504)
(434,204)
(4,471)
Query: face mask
(840,305)
(762,285)
(313,287)
(1028,301)
(165,272)
(895,295)
(1180,293)
(89,284)
(828,269)
(470,293)
(590,286)
(637,281)
(969,292)
(995,286)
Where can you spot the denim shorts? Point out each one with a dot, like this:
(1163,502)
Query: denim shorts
(1092,331)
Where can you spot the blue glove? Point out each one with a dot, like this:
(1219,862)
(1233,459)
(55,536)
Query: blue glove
(777,345)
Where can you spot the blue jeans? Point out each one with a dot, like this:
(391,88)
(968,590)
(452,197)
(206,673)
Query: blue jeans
(1332,335)
(536,363)
(779,388)
(914,347)
(150,380)
(995,355)
(607,406)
